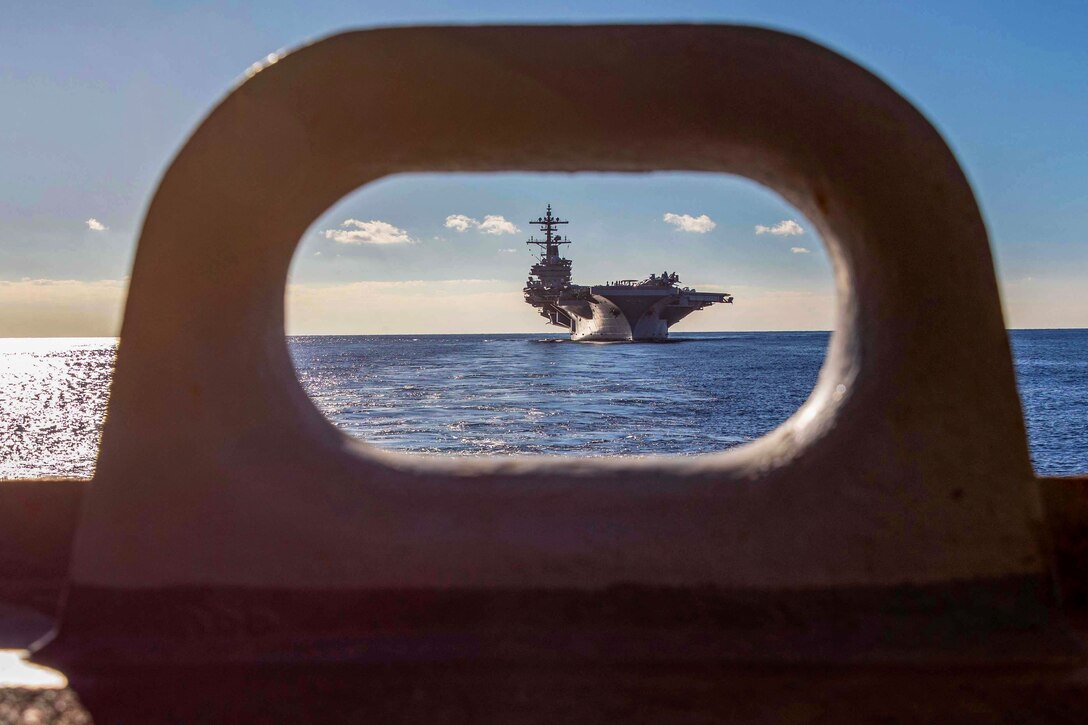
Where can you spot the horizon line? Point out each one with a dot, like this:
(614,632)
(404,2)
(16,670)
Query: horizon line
(466,334)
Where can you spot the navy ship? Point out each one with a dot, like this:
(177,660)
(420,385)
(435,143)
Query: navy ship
(624,310)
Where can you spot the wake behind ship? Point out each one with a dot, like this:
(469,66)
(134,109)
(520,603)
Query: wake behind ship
(625,310)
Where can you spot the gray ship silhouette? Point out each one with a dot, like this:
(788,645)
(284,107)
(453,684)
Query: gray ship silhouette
(624,310)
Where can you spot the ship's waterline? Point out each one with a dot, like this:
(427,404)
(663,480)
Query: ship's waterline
(625,310)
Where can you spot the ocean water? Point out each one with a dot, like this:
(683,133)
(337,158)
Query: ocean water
(526,394)
(53,394)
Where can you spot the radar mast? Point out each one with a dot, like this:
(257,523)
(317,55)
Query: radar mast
(552,240)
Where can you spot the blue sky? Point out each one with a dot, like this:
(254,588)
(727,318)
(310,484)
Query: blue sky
(97,98)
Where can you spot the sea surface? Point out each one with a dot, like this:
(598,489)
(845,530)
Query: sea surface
(475,395)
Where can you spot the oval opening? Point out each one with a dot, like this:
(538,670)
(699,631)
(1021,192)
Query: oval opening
(415,323)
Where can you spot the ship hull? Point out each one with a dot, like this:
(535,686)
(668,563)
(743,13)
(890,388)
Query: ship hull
(606,326)
(626,314)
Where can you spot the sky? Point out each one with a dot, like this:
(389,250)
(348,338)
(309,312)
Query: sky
(95,99)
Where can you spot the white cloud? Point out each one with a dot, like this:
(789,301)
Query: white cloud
(508,251)
(784,228)
(686,223)
(371,232)
(496,224)
(492,224)
(460,222)
(95,226)
(799,250)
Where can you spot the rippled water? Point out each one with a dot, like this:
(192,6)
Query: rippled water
(53,395)
(507,394)
(512,394)
(1052,374)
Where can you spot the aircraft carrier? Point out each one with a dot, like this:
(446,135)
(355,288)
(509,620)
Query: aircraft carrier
(624,310)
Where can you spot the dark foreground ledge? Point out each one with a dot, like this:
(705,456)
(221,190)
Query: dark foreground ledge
(429,694)
(1065,501)
(37,524)
(38,521)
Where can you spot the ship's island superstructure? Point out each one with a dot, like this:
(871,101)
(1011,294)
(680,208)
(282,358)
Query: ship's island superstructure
(624,310)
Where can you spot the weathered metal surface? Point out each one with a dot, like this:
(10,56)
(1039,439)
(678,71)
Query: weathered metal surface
(906,468)
(38,520)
